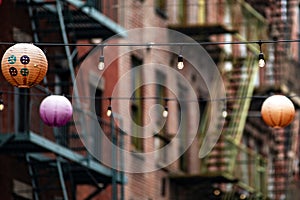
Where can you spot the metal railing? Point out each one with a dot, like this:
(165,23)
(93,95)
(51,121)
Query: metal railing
(250,168)
(69,136)
(229,157)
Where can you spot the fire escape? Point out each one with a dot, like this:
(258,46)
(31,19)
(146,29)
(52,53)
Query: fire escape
(241,167)
(58,161)
(231,170)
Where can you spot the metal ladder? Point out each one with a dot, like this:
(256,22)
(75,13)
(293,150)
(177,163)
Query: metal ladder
(47,176)
(222,157)
(54,165)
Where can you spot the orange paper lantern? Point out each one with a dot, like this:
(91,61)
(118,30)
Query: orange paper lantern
(24,65)
(278,111)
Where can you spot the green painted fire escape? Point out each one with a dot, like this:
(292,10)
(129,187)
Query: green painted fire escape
(229,163)
(70,164)
(229,158)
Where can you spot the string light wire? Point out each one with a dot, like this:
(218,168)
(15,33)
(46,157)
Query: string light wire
(146,98)
(102,45)
(160,44)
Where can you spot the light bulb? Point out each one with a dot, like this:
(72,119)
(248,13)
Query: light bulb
(243,196)
(224,113)
(261,60)
(165,112)
(101,66)
(1,106)
(1,103)
(108,112)
(261,63)
(180,64)
(217,192)
(101,63)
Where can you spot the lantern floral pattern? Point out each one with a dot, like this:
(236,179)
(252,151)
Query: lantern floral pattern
(278,111)
(56,110)
(24,65)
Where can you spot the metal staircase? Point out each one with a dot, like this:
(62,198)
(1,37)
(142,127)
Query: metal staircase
(57,159)
(240,108)
(229,158)
(47,177)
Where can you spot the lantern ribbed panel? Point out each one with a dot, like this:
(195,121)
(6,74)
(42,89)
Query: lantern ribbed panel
(278,111)
(24,65)
(56,110)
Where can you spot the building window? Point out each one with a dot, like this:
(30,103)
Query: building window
(161,8)
(202,108)
(183,130)
(96,88)
(137,140)
(182,12)
(201,11)
(162,135)
(96,101)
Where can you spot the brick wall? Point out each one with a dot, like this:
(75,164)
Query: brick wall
(140,14)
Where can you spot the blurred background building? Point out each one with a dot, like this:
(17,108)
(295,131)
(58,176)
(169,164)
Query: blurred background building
(250,159)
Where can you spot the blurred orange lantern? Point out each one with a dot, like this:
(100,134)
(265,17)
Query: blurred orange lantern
(24,65)
(278,111)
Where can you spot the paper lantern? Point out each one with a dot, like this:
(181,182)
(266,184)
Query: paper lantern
(278,111)
(24,65)
(56,110)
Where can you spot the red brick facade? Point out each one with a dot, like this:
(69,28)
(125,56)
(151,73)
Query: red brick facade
(183,178)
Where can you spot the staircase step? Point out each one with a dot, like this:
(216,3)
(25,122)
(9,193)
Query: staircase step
(44,174)
(220,156)
(47,188)
(217,164)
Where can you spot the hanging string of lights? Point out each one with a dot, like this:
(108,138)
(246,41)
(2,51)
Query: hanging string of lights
(166,111)
(261,59)
(259,42)
(1,102)
(165,99)
(109,111)
(180,59)
(101,60)
(180,65)
(101,65)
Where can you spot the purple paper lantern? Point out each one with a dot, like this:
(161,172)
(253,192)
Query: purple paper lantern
(56,110)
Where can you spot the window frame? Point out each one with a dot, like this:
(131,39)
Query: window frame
(137,142)
(161,8)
